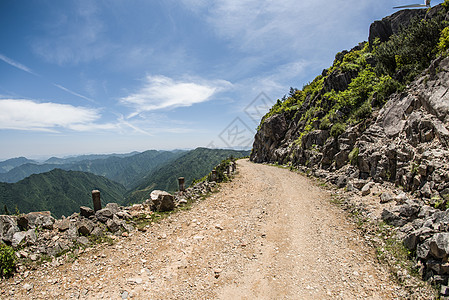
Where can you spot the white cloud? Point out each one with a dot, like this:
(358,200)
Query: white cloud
(160,92)
(21,114)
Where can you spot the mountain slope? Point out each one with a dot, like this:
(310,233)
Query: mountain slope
(10,164)
(128,171)
(78,158)
(61,192)
(124,169)
(192,165)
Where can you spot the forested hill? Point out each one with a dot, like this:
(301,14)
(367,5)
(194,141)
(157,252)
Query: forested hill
(192,165)
(61,192)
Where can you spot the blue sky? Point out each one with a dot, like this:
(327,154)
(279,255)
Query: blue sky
(89,76)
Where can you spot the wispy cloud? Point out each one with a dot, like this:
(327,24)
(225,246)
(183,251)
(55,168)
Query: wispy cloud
(73,93)
(22,114)
(28,70)
(16,64)
(284,27)
(160,92)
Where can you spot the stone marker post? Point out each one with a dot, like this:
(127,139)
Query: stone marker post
(181,185)
(214,175)
(96,199)
(233,166)
(228,171)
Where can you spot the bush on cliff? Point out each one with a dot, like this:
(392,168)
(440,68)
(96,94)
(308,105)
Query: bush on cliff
(377,71)
(7,260)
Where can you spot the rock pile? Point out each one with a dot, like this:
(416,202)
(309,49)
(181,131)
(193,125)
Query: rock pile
(37,235)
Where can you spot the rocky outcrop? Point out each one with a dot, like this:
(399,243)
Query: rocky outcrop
(274,131)
(390,25)
(405,144)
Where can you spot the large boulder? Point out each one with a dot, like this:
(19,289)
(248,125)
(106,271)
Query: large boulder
(103,215)
(85,226)
(41,219)
(8,227)
(25,238)
(439,245)
(113,207)
(86,211)
(162,201)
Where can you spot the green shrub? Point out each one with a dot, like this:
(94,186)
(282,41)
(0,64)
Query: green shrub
(385,88)
(445,4)
(363,111)
(405,55)
(325,123)
(354,156)
(7,260)
(443,45)
(337,129)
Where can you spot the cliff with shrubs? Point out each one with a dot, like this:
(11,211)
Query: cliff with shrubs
(377,109)
(379,116)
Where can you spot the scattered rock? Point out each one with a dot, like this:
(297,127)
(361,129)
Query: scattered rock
(112,225)
(103,215)
(85,227)
(86,211)
(125,295)
(25,238)
(386,197)
(366,190)
(63,224)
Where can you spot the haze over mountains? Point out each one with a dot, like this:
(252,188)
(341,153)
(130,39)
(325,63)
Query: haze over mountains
(62,185)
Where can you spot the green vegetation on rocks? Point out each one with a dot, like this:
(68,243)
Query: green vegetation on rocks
(7,260)
(368,75)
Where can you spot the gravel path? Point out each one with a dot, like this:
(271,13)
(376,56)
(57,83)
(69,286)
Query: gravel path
(269,234)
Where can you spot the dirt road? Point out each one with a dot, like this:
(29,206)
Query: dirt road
(269,234)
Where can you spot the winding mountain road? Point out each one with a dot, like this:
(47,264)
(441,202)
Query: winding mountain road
(268,234)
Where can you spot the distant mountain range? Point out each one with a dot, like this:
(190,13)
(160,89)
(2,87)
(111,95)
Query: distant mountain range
(124,169)
(191,165)
(61,192)
(62,185)
(7,165)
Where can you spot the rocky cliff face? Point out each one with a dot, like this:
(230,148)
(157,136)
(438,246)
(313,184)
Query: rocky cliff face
(403,143)
(390,25)
(406,143)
